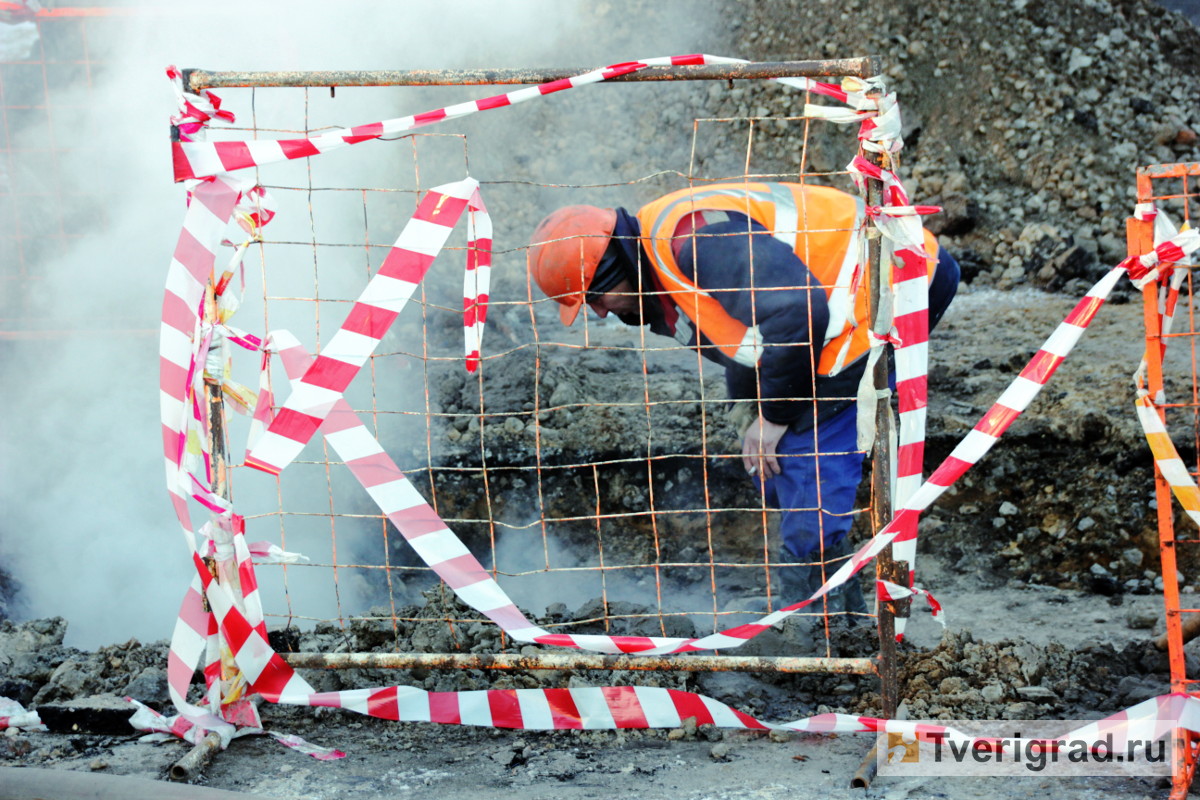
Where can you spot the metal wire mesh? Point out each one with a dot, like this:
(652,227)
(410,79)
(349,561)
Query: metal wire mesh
(594,470)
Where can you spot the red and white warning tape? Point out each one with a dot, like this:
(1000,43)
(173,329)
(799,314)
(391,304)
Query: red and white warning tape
(267,674)
(587,708)
(205,159)
(617,707)
(14,715)
(186,345)
(229,631)
(1175,248)
(195,110)
(1173,470)
(904,252)
(886,590)
(377,307)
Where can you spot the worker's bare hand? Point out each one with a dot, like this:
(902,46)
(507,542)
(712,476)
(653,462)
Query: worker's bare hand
(758,447)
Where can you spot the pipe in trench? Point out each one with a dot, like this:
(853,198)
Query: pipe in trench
(869,767)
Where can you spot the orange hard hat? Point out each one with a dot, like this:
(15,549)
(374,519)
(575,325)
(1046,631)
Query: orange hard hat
(564,251)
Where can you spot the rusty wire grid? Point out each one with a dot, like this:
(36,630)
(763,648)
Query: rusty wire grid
(592,469)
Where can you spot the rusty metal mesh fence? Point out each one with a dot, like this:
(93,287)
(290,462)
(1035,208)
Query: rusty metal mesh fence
(595,470)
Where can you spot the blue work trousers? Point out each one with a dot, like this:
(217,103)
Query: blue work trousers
(816,493)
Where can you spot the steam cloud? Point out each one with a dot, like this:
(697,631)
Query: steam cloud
(88,532)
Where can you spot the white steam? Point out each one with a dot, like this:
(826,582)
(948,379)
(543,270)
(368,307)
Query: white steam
(88,531)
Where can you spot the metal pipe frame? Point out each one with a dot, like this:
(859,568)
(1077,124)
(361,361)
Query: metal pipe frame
(195,80)
(886,567)
(883,666)
(577,661)
(1139,237)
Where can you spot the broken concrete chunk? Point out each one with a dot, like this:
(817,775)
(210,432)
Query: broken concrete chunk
(1038,694)
(106,713)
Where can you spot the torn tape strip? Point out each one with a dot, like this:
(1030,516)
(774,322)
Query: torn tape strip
(1168,292)
(1145,269)
(14,715)
(444,552)
(381,301)
(194,159)
(195,110)
(1166,457)
(886,590)
(476,278)
(164,728)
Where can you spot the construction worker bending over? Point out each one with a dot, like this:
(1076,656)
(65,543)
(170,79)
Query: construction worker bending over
(754,274)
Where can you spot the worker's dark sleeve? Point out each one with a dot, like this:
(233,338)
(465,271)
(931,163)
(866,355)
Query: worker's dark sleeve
(943,286)
(759,281)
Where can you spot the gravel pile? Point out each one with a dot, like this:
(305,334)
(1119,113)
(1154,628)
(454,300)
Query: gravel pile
(1016,679)
(36,667)
(1024,118)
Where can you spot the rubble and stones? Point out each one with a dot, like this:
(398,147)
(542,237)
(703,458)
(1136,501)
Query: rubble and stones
(1024,120)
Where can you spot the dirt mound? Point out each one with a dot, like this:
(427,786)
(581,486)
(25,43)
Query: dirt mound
(36,667)
(1024,119)
(1017,679)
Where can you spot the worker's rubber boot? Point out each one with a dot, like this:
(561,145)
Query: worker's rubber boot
(798,581)
(850,593)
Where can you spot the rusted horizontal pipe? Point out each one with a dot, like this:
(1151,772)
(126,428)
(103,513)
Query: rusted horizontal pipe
(1170,170)
(196,79)
(570,661)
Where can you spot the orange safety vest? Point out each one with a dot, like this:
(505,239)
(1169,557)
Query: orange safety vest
(819,223)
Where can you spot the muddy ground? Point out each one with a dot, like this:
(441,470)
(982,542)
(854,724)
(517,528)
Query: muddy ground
(1024,120)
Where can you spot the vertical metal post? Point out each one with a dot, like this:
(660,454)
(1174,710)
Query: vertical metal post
(1139,239)
(223,572)
(881,494)
(881,471)
(216,408)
